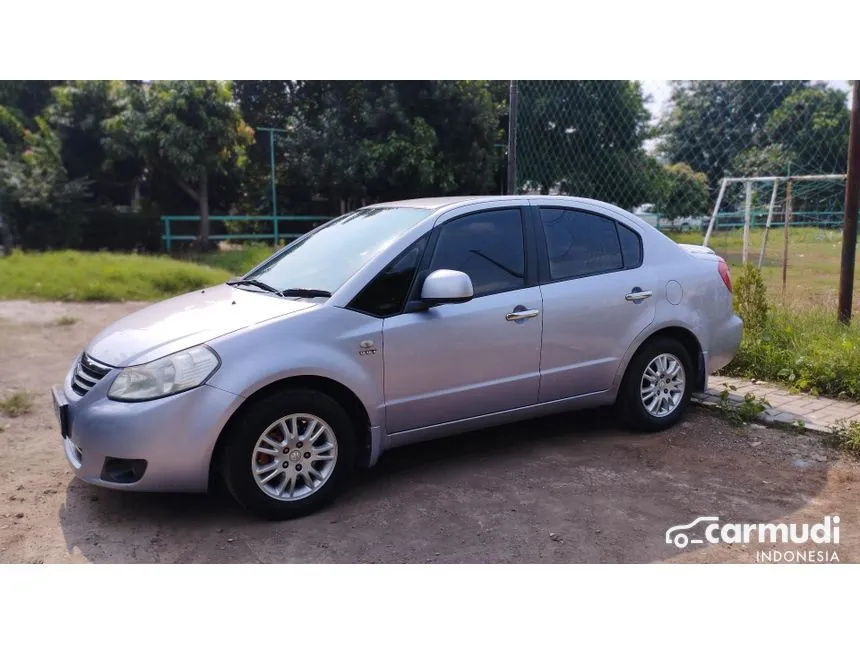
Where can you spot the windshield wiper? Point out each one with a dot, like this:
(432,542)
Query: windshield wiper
(254,283)
(306,293)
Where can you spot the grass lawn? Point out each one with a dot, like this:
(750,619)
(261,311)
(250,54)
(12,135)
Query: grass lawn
(800,343)
(81,276)
(236,260)
(77,276)
(812,278)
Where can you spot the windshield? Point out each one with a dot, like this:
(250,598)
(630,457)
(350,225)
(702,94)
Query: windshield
(327,257)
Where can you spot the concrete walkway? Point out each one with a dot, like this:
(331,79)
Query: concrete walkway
(817,413)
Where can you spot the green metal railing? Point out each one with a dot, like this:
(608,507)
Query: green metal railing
(758,219)
(169,236)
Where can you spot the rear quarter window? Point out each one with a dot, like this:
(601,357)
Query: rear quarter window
(631,247)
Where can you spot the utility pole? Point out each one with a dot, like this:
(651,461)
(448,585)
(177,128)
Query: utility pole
(512,140)
(852,202)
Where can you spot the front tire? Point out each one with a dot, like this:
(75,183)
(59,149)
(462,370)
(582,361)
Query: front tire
(657,386)
(290,454)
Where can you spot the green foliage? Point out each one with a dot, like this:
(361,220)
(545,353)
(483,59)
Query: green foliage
(26,100)
(32,172)
(77,156)
(750,298)
(584,138)
(379,140)
(743,412)
(188,125)
(805,134)
(812,127)
(35,191)
(189,131)
(810,352)
(712,122)
(769,160)
(81,113)
(86,148)
(17,404)
(846,436)
(76,276)
(682,192)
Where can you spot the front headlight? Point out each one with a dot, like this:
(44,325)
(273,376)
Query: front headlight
(169,375)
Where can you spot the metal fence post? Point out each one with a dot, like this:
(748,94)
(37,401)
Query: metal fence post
(786,230)
(852,203)
(512,140)
(167,234)
(747,206)
(274,189)
(271,131)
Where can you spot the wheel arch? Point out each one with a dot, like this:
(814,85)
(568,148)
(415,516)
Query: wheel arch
(683,335)
(348,399)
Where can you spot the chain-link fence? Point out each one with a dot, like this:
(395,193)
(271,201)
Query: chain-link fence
(608,141)
(681,153)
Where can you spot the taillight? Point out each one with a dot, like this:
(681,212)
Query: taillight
(725,274)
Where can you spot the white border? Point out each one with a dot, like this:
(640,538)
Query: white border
(343,39)
(427,604)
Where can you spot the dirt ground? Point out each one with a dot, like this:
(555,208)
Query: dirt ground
(571,488)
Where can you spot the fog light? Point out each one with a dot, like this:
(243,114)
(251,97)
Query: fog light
(123,471)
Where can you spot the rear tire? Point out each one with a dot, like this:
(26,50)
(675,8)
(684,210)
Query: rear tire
(657,386)
(290,454)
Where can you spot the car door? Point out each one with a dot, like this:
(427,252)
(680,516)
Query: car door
(457,361)
(598,296)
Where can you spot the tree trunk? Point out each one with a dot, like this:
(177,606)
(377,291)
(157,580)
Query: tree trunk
(135,195)
(5,237)
(203,193)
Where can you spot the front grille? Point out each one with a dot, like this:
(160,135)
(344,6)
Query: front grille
(88,372)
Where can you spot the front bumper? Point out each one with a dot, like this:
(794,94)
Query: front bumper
(175,436)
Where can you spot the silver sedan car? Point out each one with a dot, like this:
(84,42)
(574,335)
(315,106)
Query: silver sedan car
(394,324)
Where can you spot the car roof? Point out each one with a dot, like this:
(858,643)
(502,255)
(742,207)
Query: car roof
(435,203)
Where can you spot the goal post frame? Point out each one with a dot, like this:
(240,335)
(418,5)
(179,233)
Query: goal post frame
(748,181)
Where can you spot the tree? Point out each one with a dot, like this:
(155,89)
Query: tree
(265,103)
(80,113)
(711,122)
(358,141)
(806,135)
(812,126)
(584,138)
(37,196)
(190,131)
(25,100)
(682,192)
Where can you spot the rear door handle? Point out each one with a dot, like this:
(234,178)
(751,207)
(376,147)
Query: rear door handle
(636,296)
(522,314)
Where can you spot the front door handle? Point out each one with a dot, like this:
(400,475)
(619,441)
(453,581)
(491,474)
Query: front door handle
(522,314)
(636,296)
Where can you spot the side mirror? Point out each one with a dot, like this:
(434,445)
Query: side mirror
(446,286)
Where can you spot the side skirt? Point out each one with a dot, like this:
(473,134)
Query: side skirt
(449,428)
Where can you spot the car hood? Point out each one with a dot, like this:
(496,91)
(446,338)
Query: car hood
(185,321)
